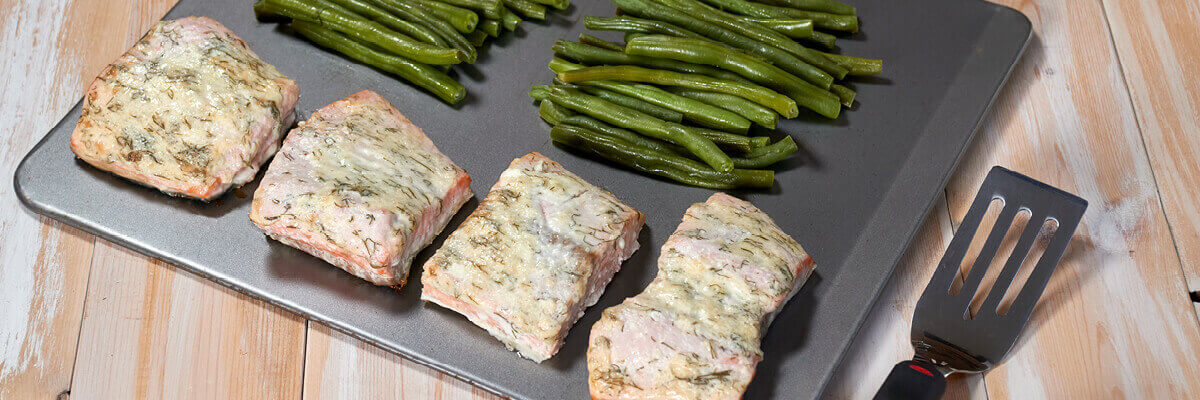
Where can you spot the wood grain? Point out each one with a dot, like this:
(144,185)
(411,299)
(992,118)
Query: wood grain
(1115,320)
(883,339)
(338,366)
(151,331)
(1156,41)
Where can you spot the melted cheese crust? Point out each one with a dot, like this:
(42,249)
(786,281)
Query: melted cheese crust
(189,109)
(537,251)
(694,333)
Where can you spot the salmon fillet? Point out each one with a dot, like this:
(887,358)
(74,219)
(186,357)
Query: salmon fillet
(535,253)
(694,333)
(189,110)
(361,187)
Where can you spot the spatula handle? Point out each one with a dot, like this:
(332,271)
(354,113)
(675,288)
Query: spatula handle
(912,380)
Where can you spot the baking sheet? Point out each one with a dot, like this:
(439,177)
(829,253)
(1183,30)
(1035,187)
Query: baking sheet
(853,196)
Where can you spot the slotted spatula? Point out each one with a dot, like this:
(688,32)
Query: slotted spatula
(945,337)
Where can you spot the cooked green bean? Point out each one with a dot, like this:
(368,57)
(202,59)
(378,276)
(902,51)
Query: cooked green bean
(695,111)
(630,24)
(594,55)
(845,94)
(706,13)
(752,111)
(380,15)
(421,75)
(552,113)
(489,9)
(592,41)
(423,16)
(767,155)
(510,19)
(823,39)
(361,29)
(856,65)
(848,23)
(635,103)
(775,55)
(527,8)
(640,122)
(664,164)
(477,38)
(463,20)
(556,4)
(587,122)
(782,104)
(709,53)
(828,6)
(792,28)
(490,26)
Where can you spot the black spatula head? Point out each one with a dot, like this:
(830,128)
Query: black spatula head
(945,335)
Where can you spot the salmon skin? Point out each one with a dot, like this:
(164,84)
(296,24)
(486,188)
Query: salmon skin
(694,333)
(361,187)
(189,110)
(535,253)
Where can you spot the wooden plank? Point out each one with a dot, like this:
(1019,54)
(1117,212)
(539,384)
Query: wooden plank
(1115,320)
(883,339)
(338,366)
(48,51)
(150,330)
(1158,43)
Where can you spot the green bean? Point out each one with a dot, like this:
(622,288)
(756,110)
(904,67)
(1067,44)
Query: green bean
(828,6)
(592,41)
(663,164)
(556,4)
(775,55)
(640,122)
(758,94)
(463,20)
(489,9)
(636,104)
(848,23)
(422,16)
(709,53)
(421,75)
(361,29)
(477,38)
(510,19)
(552,113)
(587,122)
(823,39)
(845,94)
(381,16)
(757,32)
(767,155)
(527,8)
(856,65)
(593,55)
(792,28)
(490,26)
(630,24)
(752,111)
(695,111)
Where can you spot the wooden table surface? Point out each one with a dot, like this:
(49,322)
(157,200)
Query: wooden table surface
(1105,104)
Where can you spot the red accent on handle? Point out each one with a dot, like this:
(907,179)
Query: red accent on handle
(918,368)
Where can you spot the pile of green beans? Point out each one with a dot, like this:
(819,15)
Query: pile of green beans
(680,98)
(415,40)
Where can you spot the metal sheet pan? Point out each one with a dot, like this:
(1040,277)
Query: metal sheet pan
(853,197)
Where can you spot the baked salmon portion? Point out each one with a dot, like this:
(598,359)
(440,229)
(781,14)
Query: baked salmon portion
(694,333)
(535,253)
(361,187)
(189,110)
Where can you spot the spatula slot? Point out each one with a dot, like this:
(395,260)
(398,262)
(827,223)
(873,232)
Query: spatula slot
(1045,234)
(977,241)
(1007,246)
